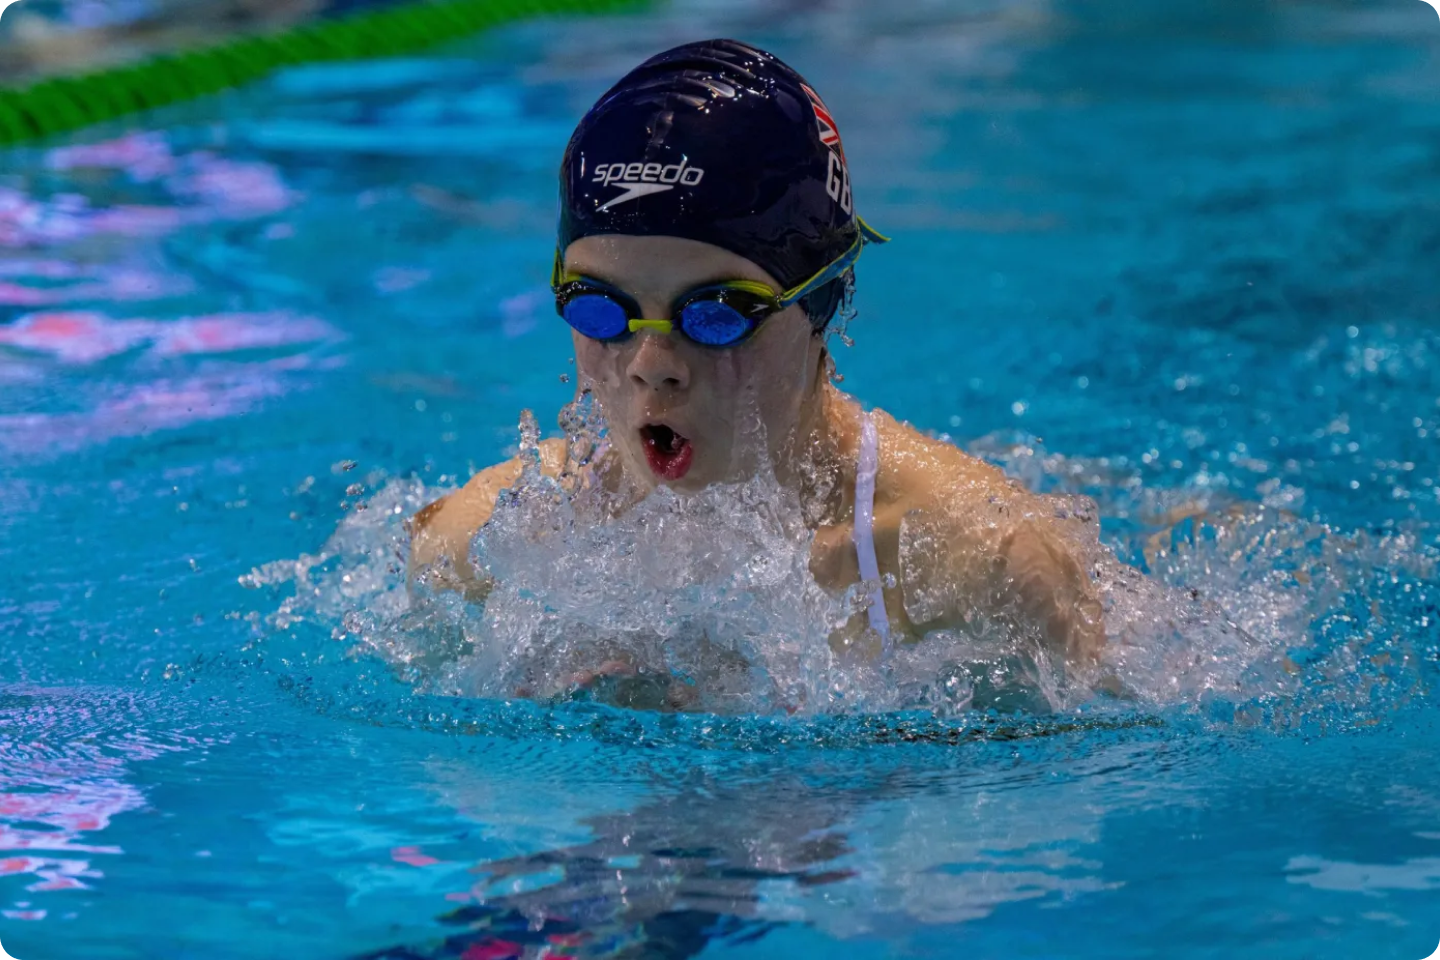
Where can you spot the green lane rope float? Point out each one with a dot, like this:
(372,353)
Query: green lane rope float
(62,104)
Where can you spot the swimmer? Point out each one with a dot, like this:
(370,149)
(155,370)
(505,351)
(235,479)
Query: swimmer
(707,239)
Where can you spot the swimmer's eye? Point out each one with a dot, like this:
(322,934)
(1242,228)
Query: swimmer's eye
(726,314)
(595,315)
(720,315)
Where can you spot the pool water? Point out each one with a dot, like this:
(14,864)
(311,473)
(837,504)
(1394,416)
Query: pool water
(1175,257)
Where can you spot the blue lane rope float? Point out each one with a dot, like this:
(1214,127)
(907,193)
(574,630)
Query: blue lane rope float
(63,104)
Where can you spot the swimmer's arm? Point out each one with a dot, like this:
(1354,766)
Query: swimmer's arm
(992,551)
(1049,588)
(440,534)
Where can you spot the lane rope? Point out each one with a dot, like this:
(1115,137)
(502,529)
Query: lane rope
(66,103)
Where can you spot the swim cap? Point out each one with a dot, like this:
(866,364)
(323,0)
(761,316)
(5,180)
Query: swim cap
(719,142)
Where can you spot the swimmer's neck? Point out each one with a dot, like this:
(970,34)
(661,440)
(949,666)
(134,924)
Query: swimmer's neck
(819,461)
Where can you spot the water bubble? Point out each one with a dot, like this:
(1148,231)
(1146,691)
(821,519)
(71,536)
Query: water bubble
(529,455)
(845,312)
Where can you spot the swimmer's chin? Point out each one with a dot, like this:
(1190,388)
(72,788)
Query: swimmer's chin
(692,483)
(701,477)
(703,472)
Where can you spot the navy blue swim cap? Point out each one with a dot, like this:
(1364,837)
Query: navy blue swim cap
(723,143)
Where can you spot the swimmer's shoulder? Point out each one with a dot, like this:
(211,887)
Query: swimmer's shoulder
(918,472)
(441,532)
(994,525)
(920,475)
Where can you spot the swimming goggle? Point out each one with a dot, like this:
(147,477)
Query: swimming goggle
(716,315)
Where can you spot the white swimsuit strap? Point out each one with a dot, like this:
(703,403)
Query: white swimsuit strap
(864,528)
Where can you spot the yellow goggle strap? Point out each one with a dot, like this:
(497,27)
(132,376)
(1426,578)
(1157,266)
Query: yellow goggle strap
(836,267)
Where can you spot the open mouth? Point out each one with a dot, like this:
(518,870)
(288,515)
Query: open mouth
(668,453)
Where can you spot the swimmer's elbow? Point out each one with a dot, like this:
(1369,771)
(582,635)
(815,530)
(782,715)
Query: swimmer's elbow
(440,534)
(1076,627)
(419,526)
(438,548)
(1056,594)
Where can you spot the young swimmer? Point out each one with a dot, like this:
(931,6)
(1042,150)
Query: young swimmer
(707,236)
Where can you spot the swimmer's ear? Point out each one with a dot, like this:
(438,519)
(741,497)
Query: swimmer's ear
(824,369)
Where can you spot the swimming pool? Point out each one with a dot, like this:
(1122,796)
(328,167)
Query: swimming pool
(1176,258)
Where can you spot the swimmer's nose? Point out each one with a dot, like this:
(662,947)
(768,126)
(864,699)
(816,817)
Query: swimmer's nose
(657,365)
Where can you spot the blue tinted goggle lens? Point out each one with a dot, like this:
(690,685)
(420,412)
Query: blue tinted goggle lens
(715,317)
(713,323)
(597,316)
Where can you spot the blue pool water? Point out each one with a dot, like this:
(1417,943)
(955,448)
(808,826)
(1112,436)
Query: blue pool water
(1177,257)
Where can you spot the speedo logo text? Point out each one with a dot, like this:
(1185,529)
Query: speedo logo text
(642,179)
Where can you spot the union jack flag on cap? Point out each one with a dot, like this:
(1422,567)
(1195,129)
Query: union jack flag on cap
(829,133)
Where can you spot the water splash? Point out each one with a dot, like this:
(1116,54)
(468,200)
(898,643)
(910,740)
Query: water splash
(1232,612)
(1248,610)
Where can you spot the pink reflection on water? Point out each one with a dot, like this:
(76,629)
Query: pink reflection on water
(224,390)
(83,336)
(158,405)
(145,156)
(231,189)
(176,189)
(226,188)
(494,949)
(61,779)
(218,389)
(25,221)
(398,279)
(204,188)
(16,295)
(138,221)
(411,856)
(240,331)
(76,336)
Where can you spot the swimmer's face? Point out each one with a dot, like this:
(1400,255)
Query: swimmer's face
(661,393)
